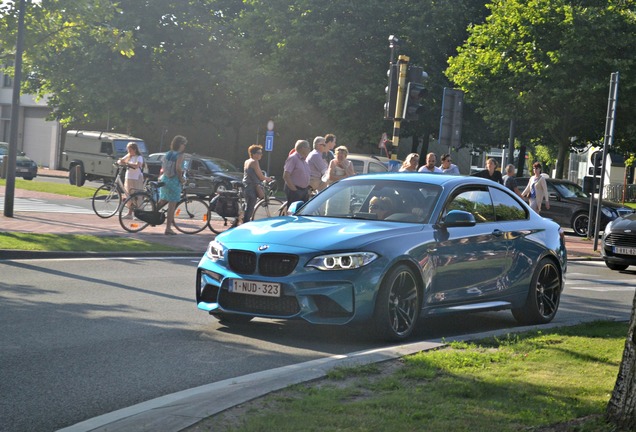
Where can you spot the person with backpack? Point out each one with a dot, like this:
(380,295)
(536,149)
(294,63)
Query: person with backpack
(172,167)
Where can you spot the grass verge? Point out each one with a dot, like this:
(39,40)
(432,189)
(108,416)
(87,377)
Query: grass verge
(54,188)
(555,380)
(77,242)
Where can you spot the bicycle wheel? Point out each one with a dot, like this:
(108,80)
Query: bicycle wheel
(191,215)
(106,200)
(137,201)
(266,208)
(218,223)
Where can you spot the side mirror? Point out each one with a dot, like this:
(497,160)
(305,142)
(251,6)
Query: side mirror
(458,218)
(293,207)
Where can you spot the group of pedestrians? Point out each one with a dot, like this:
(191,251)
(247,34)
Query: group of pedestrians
(536,191)
(411,163)
(308,169)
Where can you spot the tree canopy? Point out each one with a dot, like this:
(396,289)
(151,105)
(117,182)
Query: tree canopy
(547,64)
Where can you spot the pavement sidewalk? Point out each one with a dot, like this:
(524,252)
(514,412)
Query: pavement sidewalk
(71,223)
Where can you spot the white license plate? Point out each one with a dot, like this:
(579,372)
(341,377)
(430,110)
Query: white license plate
(268,289)
(624,250)
(22,170)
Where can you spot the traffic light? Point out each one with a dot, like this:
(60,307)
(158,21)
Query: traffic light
(415,91)
(596,159)
(391,91)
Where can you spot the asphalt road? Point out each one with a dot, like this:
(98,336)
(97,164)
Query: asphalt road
(86,337)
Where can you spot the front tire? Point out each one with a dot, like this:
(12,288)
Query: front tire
(191,215)
(580,222)
(267,208)
(544,295)
(397,307)
(106,200)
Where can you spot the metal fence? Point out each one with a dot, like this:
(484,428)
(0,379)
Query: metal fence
(614,192)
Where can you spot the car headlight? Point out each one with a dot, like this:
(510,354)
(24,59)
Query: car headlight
(342,261)
(608,212)
(216,251)
(608,229)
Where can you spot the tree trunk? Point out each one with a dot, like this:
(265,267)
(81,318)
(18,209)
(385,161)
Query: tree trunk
(621,409)
(564,148)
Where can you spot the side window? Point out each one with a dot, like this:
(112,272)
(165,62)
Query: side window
(506,207)
(358,166)
(106,147)
(376,167)
(477,202)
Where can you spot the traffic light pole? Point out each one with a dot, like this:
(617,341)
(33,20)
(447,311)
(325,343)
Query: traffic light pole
(403,64)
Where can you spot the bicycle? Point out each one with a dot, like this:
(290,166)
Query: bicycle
(227,208)
(269,206)
(190,216)
(107,198)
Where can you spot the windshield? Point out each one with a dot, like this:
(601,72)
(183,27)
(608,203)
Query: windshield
(4,149)
(568,190)
(375,199)
(219,165)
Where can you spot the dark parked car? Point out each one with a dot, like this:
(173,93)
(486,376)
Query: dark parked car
(206,175)
(570,206)
(619,243)
(385,249)
(24,166)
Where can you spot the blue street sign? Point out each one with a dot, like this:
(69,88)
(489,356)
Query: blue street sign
(269,141)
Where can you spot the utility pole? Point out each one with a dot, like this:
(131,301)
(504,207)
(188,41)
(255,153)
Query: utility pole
(10,159)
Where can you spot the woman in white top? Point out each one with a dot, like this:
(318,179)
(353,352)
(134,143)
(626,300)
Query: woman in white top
(537,190)
(134,161)
(340,167)
(410,163)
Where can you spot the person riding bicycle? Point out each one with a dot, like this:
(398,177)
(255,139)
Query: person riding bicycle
(172,176)
(252,178)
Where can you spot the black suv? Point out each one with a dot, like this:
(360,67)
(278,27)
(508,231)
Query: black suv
(206,175)
(570,206)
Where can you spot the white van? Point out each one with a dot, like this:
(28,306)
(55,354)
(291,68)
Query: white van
(90,155)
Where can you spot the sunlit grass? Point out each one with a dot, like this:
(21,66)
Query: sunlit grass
(54,188)
(521,382)
(77,242)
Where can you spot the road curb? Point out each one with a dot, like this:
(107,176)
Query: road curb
(8,254)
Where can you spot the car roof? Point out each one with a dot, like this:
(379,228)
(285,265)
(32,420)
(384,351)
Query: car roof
(431,178)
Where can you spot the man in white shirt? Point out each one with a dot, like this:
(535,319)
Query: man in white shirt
(317,164)
(430,167)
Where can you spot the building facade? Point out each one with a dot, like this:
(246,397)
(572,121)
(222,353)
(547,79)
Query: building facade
(38,137)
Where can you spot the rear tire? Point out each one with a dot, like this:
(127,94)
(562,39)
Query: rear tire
(106,200)
(191,215)
(544,295)
(76,175)
(397,307)
(137,201)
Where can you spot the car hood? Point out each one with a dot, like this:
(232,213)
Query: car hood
(586,201)
(300,233)
(625,223)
